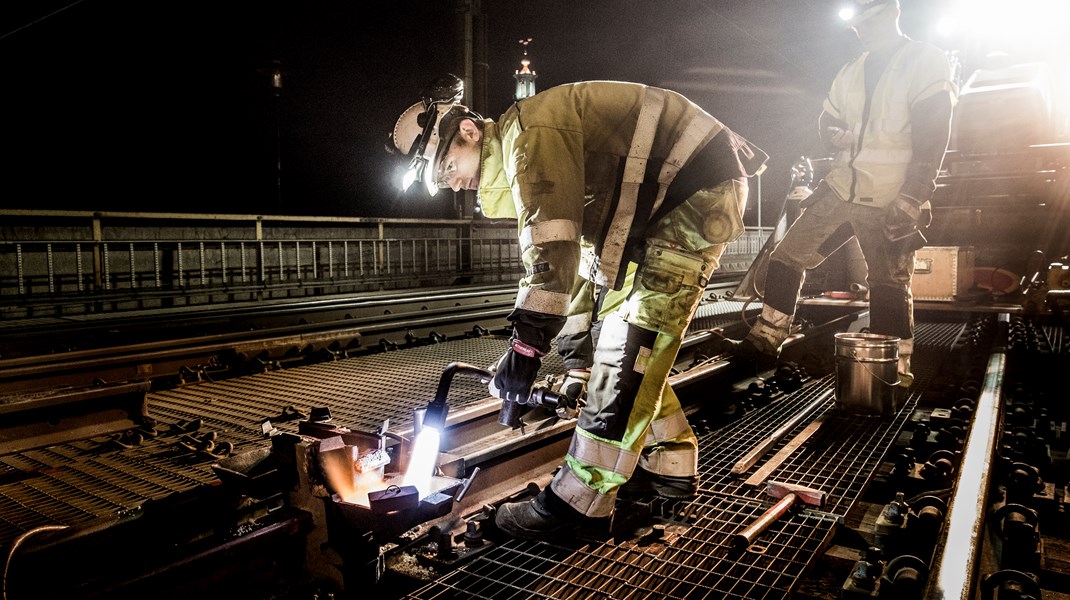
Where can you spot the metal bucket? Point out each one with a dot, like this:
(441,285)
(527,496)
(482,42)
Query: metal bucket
(867,373)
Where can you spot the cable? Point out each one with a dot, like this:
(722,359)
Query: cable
(15,545)
(743,312)
(48,16)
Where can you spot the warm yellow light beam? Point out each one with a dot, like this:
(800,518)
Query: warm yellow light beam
(422,461)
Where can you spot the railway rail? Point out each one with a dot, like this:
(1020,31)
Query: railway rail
(156,474)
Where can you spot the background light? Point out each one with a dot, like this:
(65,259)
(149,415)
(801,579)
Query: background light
(946,26)
(1007,21)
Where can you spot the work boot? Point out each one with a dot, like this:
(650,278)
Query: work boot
(547,517)
(906,380)
(644,483)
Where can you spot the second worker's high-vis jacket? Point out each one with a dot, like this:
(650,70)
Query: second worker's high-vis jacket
(874,169)
(591,164)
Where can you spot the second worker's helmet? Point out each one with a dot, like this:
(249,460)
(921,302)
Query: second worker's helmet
(858,11)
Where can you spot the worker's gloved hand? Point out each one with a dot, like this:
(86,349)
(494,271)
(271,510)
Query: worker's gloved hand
(574,386)
(902,218)
(515,373)
(573,391)
(839,138)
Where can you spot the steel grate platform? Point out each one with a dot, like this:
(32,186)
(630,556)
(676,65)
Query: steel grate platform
(695,558)
(77,483)
(361,392)
(692,560)
(838,459)
(711,315)
(80,482)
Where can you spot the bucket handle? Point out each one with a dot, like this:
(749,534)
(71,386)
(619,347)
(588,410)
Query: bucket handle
(854,355)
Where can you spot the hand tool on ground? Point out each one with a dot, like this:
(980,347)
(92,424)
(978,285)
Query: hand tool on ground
(765,445)
(758,477)
(787,495)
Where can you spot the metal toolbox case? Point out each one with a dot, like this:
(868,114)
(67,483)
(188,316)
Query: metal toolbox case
(942,272)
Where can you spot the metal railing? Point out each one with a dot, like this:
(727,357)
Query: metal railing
(54,262)
(58,267)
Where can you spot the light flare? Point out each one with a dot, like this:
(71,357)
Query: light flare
(364,483)
(422,461)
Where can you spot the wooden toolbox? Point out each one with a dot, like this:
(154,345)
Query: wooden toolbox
(942,272)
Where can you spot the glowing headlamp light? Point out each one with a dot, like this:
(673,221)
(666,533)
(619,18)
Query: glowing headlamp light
(855,12)
(421,166)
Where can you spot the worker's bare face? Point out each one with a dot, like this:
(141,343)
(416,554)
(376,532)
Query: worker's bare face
(459,167)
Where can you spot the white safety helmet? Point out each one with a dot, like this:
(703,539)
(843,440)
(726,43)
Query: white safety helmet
(417,133)
(857,11)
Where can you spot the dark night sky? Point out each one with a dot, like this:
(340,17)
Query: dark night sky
(167,106)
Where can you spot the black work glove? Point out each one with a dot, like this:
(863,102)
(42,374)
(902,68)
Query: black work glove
(515,373)
(902,218)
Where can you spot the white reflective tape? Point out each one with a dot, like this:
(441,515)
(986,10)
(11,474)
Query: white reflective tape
(674,463)
(602,455)
(776,318)
(694,134)
(642,358)
(643,138)
(542,301)
(772,326)
(668,428)
(620,225)
(583,499)
(557,230)
(576,324)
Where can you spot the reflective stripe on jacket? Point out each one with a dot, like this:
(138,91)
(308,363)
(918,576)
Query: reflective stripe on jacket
(916,72)
(560,161)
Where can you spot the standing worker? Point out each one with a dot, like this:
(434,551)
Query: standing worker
(631,188)
(887,116)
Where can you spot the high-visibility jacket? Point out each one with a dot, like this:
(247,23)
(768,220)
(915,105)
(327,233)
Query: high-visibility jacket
(592,164)
(874,169)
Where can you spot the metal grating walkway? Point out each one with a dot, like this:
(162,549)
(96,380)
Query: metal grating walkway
(838,460)
(695,558)
(80,482)
(722,313)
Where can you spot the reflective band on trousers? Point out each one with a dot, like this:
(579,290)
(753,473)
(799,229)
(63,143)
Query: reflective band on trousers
(557,230)
(583,499)
(674,463)
(666,428)
(616,236)
(576,324)
(540,300)
(772,326)
(597,453)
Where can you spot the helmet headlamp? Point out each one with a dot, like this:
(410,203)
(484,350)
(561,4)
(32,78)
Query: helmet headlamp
(417,132)
(856,11)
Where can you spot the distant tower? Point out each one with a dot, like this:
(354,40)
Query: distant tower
(525,77)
